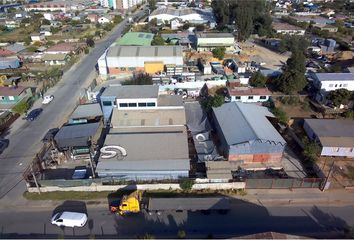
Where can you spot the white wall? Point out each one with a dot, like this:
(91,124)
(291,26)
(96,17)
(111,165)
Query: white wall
(139,61)
(333,85)
(102,65)
(136,100)
(338,151)
(246,100)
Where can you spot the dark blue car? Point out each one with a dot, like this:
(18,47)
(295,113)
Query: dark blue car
(34,114)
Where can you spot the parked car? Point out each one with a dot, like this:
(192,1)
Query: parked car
(69,219)
(34,114)
(47,99)
(4,143)
(50,135)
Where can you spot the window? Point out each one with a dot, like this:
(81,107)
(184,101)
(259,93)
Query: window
(250,97)
(123,104)
(331,85)
(151,104)
(263,97)
(335,149)
(340,85)
(142,104)
(2,98)
(107,103)
(336,85)
(132,104)
(237,97)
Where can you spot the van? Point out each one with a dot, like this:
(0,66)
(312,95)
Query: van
(69,219)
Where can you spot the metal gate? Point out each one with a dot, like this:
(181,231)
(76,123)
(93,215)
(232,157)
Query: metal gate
(278,183)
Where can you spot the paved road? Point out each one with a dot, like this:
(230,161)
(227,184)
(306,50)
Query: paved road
(25,142)
(243,219)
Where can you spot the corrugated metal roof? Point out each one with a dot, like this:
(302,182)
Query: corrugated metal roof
(241,122)
(334,76)
(148,117)
(333,132)
(87,110)
(145,51)
(151,146)
(132,91)
(170,100)
(215,35)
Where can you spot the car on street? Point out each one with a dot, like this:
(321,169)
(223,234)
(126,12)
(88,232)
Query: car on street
(69,219)
(50,135)
(4,143)
(47,99)
(34,114)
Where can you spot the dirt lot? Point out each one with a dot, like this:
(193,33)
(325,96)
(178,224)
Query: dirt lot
(271,58)
(343,171)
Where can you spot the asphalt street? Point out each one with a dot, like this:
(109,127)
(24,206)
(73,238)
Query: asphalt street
(25,142)
(244,219)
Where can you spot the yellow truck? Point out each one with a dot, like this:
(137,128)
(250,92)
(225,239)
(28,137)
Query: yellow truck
(135,203)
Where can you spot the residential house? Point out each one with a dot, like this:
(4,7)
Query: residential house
(317,20)
(335,136)
(10,96)
(12,23)
(37,37)
(93,18)
(55,59)
(285,28)
(326,82)
(105,19)
(15,49)
(9,62)
(176,23)
(246,134)
(62,6)
(248,94)
(45,30)
(329,28)
(209,41)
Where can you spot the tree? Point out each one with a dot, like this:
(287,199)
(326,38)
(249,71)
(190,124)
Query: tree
(186,184)
(281,115)
(90,42)
(157,40)
(219,52)
(186,26)
(311,149)
(20,107)
(200,27)
(349,114)
(181,234)
(257,80)
(140,79)
(244,20)
(117,19)
(213,101)
(339,96)
(45,22)
(152,5)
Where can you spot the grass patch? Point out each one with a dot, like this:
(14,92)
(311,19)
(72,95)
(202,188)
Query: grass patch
(71,195)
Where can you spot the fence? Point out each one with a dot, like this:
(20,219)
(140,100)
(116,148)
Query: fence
(284,183)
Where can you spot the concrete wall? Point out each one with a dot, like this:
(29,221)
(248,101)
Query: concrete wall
(172,186)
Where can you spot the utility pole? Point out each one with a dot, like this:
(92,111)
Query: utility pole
(91,165)
(35,179)
(327,178)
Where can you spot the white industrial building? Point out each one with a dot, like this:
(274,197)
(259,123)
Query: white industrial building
(127,59)
(120,4)
(209,41)
(191,15)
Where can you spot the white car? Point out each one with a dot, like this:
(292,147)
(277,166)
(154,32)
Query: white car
(69,219)
(47,99)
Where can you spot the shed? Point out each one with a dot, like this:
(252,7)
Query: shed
(85,113)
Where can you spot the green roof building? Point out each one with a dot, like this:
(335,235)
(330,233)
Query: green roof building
(136,39)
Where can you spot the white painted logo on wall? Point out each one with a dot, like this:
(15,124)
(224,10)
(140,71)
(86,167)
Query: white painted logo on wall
(108,152)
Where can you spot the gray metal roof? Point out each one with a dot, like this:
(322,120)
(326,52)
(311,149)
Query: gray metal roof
(86,111)
(151,146)
(148,118)
(334,76)
(170,100)
(15,47)
(215,35)
(333,132)
(75,135)
(132,91)
(241,122)
(144,51)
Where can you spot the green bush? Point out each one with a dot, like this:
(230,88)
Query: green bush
(281,115)
(186,184)
(20,107)
(181,234)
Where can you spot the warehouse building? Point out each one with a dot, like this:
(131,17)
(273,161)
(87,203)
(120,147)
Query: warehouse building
(135,39)
(209,41)
(336,136)
(128,59)
(246,135)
